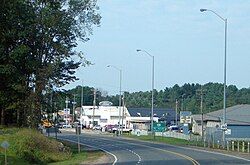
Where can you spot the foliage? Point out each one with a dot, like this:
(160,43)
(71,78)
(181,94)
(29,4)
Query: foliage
(167,140)
(28,146)
(34,147)
(188,97)
(37,52)
(84,157)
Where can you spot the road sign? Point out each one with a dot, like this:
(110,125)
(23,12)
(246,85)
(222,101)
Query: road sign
(159,127)
(185,117)
(5,144)
(228,132)
(224,126)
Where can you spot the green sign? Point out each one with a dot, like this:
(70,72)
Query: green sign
(159,127)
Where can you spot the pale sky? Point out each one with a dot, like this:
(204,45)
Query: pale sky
(188,45)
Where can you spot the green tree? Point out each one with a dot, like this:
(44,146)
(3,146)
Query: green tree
(38,40)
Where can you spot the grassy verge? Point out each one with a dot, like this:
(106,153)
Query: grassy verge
(6,135)
(167,140)
(29,146)
(83,157)
(12,160)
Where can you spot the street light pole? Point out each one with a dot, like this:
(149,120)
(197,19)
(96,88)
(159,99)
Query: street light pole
(152,99)
(81,106)
(123,105)
(94,105)
(67,115)
(176,111)
(120,96)
(225,67)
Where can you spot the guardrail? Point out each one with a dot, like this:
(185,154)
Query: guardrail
(175,135)
(164,134)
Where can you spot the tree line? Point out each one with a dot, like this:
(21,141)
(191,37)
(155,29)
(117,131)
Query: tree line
(188,97)
(37,53)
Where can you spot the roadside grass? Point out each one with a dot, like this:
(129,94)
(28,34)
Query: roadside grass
(167,140)
(79,158)
(30,147)
(12,160)
(5,135)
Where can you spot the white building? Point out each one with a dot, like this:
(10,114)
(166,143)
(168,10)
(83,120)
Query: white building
(141,123)
(104,114)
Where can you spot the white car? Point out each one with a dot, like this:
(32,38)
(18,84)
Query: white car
(173,128)
(97,127)
(67,126)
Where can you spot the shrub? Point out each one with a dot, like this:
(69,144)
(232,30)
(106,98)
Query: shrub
(36,148)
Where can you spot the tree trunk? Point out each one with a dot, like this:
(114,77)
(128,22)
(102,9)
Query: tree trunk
(2,116)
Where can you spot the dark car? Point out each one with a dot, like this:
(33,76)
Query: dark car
(109,128)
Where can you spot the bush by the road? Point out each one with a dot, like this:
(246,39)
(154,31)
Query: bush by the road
(32,146)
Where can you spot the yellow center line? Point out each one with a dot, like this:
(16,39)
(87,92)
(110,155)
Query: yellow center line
(181,155)
(175,153)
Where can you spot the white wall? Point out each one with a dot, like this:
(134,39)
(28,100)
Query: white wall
(104,115)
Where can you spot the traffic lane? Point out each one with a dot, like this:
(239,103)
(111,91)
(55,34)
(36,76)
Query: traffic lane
(122,156)
(151,156)
(148,155)
(122,153)
(202,156)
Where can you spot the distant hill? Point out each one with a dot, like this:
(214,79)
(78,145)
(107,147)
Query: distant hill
(188,96)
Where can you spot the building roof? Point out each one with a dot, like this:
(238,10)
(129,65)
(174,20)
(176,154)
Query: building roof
(235,115)
(165,114)
(206,117)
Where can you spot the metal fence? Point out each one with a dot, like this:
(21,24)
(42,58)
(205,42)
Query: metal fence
(213,136)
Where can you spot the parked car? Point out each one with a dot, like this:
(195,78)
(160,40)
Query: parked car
(109,128)
(67,126)
(97,127)
(59,125)
(123,129)
(115,128)
(77,123)
(173,128)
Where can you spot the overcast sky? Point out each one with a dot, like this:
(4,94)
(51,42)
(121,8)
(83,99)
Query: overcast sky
(188,45)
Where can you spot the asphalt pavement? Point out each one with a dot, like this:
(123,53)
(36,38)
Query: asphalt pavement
(131,151)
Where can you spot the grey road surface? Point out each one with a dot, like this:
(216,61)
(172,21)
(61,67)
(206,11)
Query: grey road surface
(131,151)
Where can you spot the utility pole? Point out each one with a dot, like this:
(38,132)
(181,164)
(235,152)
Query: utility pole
(201,108)
(67,102)
(176,111)
(202,134)
(123,106)
(74,106)
(81,105)
(56,119)
(94,104)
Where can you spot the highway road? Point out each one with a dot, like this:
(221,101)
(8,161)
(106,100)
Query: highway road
(131,151)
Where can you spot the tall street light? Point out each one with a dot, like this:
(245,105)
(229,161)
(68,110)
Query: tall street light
(225,58)
(120,97)
(67,115)
(152,99)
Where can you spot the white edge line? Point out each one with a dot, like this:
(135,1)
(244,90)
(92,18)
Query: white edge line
(94,147)
(175,153)
(218,153)
(212,152)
